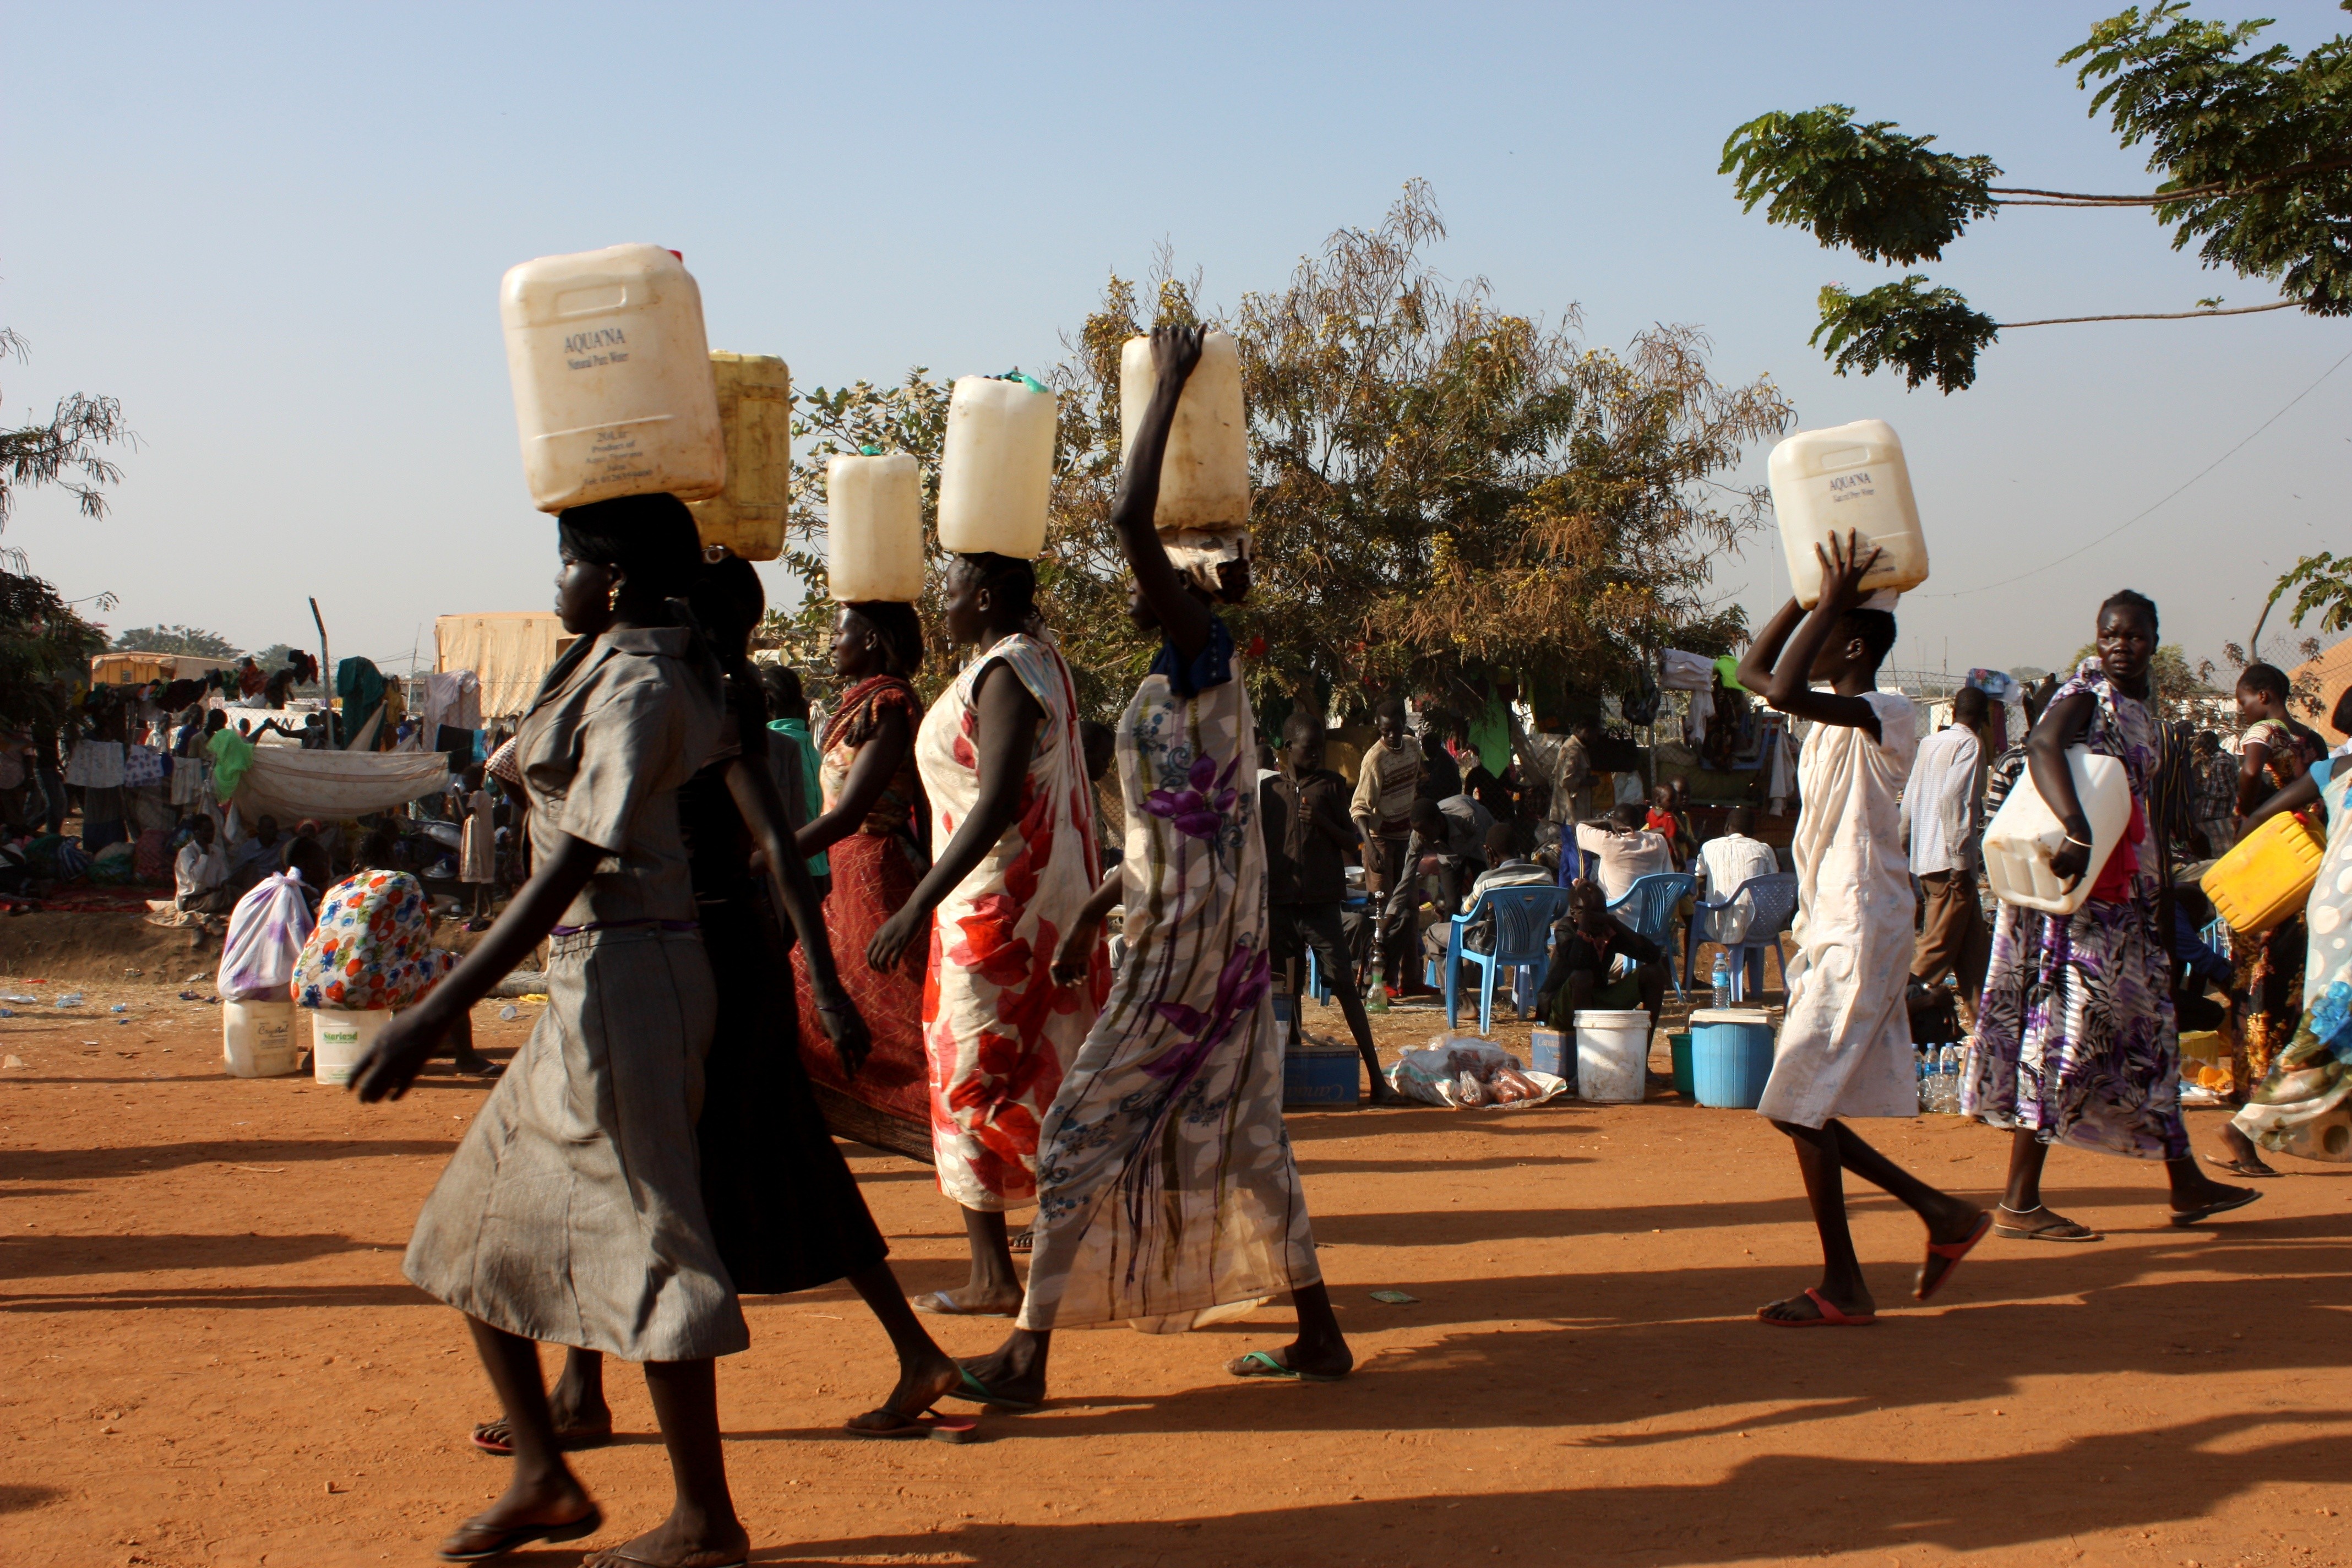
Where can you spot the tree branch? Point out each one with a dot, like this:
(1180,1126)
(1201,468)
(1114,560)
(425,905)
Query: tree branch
(2188,193)
(2154,316)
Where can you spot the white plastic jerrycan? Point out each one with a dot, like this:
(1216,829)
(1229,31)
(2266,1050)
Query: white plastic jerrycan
(612,387)
(1205,478)
(1849,478)
(874,528)
(755,411)
(2025,833)
(996,468)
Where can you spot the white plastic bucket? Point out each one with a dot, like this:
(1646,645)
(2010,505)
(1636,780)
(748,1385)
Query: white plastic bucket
(873,527)
(1613,1055)
(996,468)
(339,1039)
(258,1038)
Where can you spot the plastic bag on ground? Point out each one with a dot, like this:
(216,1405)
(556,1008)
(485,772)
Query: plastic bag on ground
(1432,1074)
(265,933)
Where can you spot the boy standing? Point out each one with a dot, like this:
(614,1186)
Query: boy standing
(1845,1048)
(1303,811)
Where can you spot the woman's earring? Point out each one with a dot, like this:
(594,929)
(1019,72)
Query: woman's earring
(613,599)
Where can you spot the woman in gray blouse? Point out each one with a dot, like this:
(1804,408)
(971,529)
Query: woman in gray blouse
(572,1212)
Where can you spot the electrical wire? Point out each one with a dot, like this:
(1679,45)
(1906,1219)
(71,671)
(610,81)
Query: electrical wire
(2144,511)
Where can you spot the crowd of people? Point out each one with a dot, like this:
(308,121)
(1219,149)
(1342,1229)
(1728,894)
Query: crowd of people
(889,924)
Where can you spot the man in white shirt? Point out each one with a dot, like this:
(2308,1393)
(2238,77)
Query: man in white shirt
(200,874)
(1627,851)
(1943,822)
(1734,857)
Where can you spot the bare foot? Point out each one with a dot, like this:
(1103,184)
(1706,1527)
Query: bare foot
(1014,1372)
(2244,1158)
(674,1544)
(545,1507)
(1855,1302)
(921,1384)
(967,1303)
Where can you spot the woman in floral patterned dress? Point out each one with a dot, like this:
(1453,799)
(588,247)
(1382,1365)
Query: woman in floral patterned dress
(1001,761)
(1167,1195)
(2075,1041)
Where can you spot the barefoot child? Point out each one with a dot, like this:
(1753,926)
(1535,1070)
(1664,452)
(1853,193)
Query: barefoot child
(1845,1045)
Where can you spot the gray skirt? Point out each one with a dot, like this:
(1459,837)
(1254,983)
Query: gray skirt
(572,1214)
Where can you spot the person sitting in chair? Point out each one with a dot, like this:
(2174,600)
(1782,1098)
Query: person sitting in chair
(1598,962)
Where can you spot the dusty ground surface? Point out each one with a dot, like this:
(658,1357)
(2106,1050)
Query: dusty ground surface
(210,1356)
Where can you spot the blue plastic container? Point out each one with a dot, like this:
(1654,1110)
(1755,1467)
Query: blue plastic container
(1322,1081)
(1731,1057)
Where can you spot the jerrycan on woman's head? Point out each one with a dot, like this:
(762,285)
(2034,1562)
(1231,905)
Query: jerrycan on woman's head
(1847,479)
(613,387)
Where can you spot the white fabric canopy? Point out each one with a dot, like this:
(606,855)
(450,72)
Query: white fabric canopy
(291,783)
(1680,671)
(511,651)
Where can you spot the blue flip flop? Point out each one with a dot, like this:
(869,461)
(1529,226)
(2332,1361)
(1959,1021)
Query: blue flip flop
(1261,1363)
(974,1392)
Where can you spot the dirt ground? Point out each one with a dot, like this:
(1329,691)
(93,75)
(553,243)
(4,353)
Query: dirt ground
(210,1355)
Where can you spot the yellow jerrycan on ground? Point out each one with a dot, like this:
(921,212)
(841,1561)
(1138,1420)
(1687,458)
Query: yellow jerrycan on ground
(2266,878)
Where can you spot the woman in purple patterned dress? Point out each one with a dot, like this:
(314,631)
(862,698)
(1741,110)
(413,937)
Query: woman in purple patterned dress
(2075,1042)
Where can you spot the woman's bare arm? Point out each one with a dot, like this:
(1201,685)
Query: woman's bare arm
(1183,619)
(2064,725)
(753,788)
(407,1042)
(1008,719)
(1070,960)
(877,762)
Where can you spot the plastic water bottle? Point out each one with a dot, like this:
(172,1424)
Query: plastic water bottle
(1924,1069)
(1948,1081)
(70,999)
(1722,981)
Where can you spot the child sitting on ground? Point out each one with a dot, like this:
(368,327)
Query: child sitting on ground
(1844,1048)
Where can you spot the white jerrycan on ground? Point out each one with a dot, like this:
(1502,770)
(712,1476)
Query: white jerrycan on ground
(996,466)
(1204,478)
(874,528)
(1849,478)
(2025,833)
(613,387)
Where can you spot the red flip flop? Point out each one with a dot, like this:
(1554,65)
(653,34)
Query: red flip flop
(1831,1318)
(1953,1251)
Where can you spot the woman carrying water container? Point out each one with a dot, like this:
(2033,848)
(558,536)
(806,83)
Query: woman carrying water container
(870,817)
(572,1212)
(1845,1048)
(1167,1198)
(2075,1041)
(1001,765)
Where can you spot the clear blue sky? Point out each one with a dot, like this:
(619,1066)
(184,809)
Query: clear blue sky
(277,233)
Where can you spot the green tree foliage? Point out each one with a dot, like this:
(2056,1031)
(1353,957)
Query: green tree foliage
(2251,148)
(194,641)
(1442,488)
(45,650)
(45,645)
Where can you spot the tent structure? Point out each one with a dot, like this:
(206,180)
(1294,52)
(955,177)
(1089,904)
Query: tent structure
(291,783)
(138,669)
(509,651)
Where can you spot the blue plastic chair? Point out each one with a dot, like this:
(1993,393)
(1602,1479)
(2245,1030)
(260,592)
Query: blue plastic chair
(1523,922)
(1772,899)
(1648,908)
(1317,986)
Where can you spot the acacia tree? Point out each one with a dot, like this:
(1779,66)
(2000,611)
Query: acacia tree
(193,640)
(2251,148)
(1441,488)
(45,645)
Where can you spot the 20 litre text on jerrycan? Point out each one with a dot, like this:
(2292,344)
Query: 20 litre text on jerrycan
(1849,478)
(874,528)
(612,387)
(1204,480)
(996,466)
(2025,833)
(755,411)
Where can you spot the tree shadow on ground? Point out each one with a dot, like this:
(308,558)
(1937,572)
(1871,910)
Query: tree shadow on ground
(62,1254)
(126,1159)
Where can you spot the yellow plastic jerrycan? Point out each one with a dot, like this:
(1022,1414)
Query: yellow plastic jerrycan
(2267,877)
(755,409)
